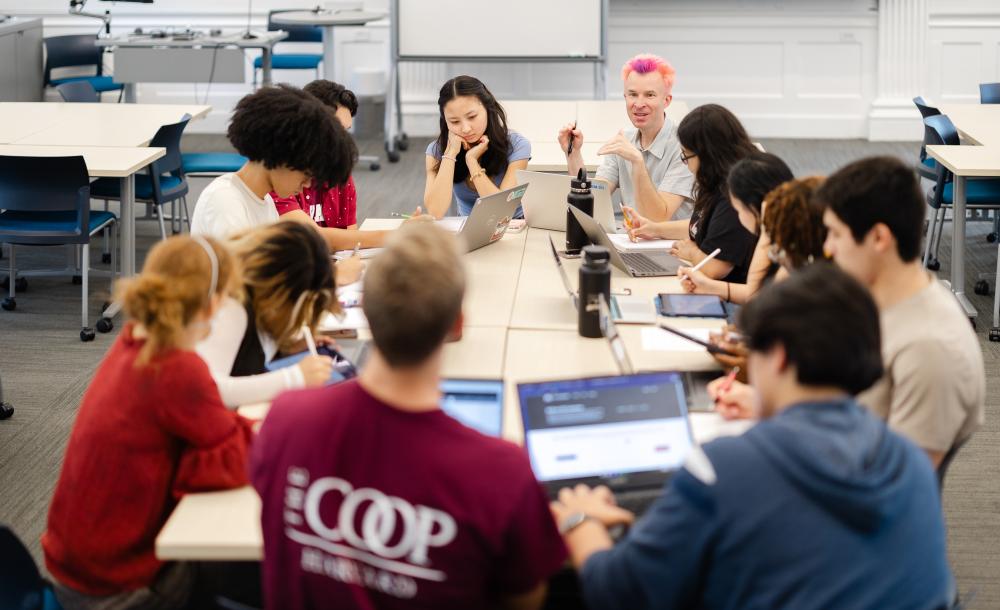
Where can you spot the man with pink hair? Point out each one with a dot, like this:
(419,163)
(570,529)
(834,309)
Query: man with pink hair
(645,160)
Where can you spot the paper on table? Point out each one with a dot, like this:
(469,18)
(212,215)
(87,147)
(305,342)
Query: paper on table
(451,223)
(622,244)
(354,318)
(364,253)
(657,339)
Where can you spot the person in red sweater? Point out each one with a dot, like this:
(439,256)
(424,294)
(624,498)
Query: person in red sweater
(334,209)
(151,427)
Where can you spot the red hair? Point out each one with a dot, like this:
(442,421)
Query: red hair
(644,63)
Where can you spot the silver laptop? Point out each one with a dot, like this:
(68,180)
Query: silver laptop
(636,264)
(545,204)
(490,217)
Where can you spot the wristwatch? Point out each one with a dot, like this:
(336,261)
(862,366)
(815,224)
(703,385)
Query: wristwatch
(572,521)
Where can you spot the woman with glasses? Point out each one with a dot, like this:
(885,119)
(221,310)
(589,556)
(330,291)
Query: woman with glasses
(288,284)
(712,142)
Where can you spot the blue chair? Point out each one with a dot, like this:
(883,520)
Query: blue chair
(979,194)
(927,167)
(21,585)
(296,33)
(211,163)
(46,202)
(163,183)
(78,91)
(989,93)
(77,50)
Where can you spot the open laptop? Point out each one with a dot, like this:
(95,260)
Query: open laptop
(490,218)
(628,432)
(545,205)
(627,310)
(695,382)
(477,403)
(636,264)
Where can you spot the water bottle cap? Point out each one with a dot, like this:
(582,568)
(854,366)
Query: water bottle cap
(596,255)
(580,181)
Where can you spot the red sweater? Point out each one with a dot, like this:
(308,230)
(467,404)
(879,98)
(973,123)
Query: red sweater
(142,438)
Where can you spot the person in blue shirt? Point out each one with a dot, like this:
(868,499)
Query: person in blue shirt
(475,155)
(819,505)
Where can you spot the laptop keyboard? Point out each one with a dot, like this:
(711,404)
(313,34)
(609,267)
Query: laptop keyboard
(638,501)
(640,263)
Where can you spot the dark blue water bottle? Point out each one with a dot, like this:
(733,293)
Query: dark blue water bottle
(595,280)
(582,199)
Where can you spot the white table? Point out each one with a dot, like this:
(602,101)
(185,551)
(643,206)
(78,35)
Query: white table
(976,123)
(328,20)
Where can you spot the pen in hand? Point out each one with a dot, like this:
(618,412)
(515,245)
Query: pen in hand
(704,261)
(727,384)
(628,224)
(400,215)
(569,148)
(310,342)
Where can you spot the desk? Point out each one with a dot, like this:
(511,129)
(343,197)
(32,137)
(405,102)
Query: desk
(142,58)
(327,20)
(977,123)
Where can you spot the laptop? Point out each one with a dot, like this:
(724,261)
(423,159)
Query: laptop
(629,432)
(545,205)
(490,218)
(477,403)
(636,264)
(695,382)
(627,309)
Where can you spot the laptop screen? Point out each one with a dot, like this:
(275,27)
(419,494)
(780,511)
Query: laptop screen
(605,426)
(476,403)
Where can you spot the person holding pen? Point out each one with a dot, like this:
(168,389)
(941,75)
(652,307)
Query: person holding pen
(644,161)
(475,154)
(712,141)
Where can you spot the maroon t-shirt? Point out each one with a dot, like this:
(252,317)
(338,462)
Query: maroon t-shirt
(367,506)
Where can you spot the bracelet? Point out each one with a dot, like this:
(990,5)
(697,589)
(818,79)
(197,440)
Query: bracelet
(452,159)
(729,292)
(478,173)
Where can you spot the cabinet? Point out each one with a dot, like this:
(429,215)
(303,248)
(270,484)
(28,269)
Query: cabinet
(21,60)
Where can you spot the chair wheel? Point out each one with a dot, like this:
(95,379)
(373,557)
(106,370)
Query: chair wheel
(105,325)
(374,167)
(992,238)
(934,264)
(77,280)
(9,304)
(6,410)
(995,334)
(106,258)
(87,334)
(391,154)
(982,287)
(403,142)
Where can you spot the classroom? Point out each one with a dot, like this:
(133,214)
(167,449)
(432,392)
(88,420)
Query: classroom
(453,304)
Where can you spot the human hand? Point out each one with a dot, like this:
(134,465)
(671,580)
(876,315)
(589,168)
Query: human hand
(597,503)
(419,216)
(693,281)
(738,352)
(316,370)
(619,145)
(349,270)
(733,401)
(477,151)
(685,249)
(454,146)
(642,228)
(569,131)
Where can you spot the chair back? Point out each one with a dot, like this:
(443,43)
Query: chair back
(939,129)
(21,586)
(296,33)
(989,93)
(46,184)
(168,137)
(78,91)
(72,50)
(925,109)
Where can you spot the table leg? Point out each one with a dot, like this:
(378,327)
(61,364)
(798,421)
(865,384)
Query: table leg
(265,66)
(329,67)
(128,225)
(131,95)
(958,248)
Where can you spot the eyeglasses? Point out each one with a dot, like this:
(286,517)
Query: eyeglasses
(685,158)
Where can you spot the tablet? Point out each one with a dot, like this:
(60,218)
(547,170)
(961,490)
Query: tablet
(691,306)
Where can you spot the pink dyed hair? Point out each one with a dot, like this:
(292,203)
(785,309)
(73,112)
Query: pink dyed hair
(644,63)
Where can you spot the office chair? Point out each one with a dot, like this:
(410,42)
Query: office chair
(46,202)
(21,584)
(989,93)
(211,164)
(77,50)
(78,91)
(927,167)
(296,33)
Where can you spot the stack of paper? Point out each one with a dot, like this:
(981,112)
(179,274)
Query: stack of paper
(364,253)
(657,339)
(623,244)
(353,318)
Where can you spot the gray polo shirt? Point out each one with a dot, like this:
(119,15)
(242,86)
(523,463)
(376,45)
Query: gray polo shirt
(663,162)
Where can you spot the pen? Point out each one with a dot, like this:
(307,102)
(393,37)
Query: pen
(357,248)
(569,149)
(728,383)
(628,223)
(399,215)
(705,260)
(309,340)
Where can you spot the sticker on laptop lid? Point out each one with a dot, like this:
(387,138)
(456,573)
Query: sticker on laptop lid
(516,194)
(500,229)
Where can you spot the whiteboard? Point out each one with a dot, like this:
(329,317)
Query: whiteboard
(471,29)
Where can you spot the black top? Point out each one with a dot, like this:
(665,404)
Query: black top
(718,225)
(250,357)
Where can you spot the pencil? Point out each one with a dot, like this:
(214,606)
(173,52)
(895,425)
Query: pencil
(400,215)
(309,340)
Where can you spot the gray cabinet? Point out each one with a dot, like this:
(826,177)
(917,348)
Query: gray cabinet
(21,60)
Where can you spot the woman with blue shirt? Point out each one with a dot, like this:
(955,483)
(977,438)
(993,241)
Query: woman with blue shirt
(481,156)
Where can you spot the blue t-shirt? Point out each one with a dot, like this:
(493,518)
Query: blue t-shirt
(465,197)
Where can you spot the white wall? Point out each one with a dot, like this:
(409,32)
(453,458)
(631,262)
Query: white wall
(788,68)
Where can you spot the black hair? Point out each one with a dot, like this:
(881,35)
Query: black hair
(826,321)
(753,177)
(494,160)
(333,94)
(284,126)
(719,139)
(878,190)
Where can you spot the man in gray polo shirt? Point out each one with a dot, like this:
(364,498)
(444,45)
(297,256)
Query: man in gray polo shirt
(644,161)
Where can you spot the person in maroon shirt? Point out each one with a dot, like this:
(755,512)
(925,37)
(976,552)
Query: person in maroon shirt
(373,497)
(334,209)
(151,427)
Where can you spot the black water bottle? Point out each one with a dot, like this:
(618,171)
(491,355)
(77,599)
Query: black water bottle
(582,199)
(595,280)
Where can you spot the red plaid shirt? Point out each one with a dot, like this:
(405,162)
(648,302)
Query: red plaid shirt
(336,207)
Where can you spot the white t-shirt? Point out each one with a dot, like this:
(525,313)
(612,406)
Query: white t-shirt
(228,206)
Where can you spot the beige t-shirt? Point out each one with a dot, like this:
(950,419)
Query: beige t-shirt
(934,384)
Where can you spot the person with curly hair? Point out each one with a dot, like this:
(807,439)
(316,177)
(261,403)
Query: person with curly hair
(289,140)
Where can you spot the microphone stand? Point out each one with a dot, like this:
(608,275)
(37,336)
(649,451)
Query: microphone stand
(248,35)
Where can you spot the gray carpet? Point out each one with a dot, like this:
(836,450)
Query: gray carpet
(45,368)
